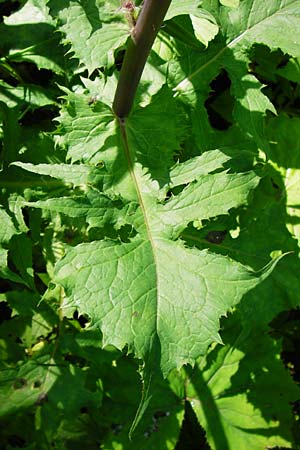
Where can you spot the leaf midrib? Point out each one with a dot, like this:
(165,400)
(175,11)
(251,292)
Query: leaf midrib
(130,162)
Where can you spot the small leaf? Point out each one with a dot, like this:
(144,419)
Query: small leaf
(193,168)
(74,174)
(7,229)
(205,30)
(178,8)
(230,3)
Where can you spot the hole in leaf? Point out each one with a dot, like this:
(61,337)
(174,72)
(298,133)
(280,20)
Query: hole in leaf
(37,384)
(81,319)
(19,383)
(125,233)
(174,191)
(219,104)
(95,74)
(168,195)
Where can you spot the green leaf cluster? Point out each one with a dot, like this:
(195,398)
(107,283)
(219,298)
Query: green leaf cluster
(138,258)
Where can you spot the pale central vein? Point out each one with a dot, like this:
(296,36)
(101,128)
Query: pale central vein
(122,123)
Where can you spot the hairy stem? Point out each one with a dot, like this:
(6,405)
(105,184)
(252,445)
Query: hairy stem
(139,46)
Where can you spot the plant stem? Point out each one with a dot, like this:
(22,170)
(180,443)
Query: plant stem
(139,46)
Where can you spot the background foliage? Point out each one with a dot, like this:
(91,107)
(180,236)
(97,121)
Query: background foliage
(211,169)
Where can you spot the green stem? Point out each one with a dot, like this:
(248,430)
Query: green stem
(139,46)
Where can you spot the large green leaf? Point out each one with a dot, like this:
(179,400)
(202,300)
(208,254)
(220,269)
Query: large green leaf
(242,27)
(241,392)
(159,226)
(139,293)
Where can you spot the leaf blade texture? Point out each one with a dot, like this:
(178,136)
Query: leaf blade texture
(140,237)
(153,294)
